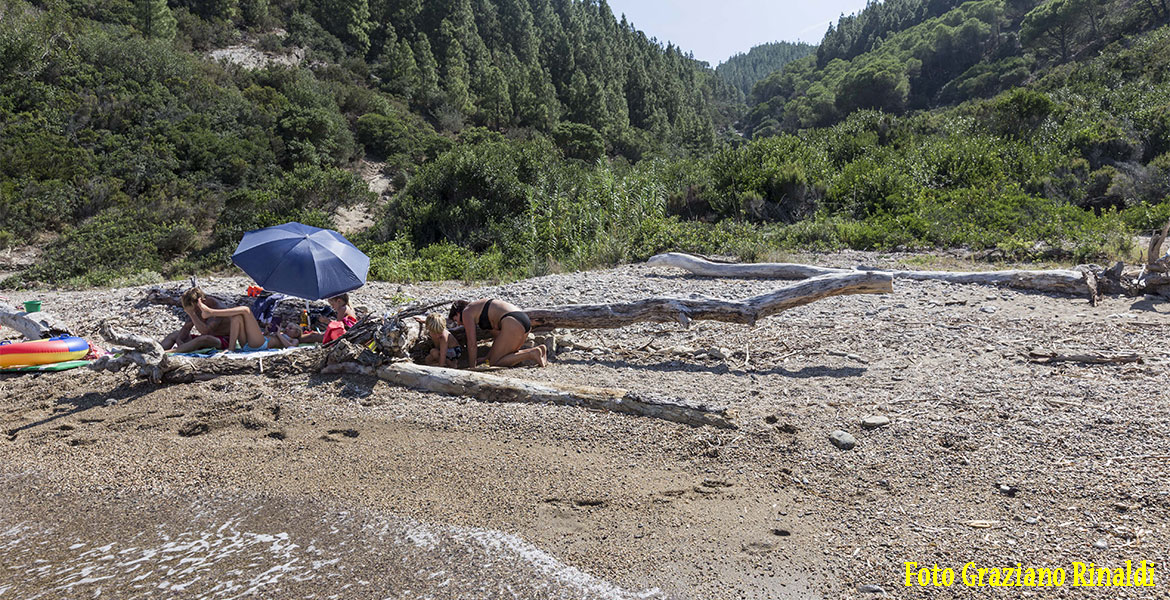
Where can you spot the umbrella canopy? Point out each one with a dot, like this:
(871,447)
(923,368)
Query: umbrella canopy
(302,261)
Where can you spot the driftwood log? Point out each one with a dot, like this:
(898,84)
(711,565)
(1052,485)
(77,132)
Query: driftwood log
(1059,281)
(160,367)
(685,310)
(33,326)
(488,387)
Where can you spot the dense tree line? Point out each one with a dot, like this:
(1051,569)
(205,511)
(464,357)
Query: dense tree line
(744,70)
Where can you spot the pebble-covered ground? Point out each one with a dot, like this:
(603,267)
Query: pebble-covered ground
(976,454)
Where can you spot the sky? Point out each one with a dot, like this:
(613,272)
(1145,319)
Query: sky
(716,30)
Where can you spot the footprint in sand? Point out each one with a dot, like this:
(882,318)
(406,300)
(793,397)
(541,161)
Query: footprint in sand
(194,428)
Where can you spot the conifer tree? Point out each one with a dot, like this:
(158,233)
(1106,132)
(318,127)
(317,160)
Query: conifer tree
(495,101)
(456,71)
(427,93)
(349,20)
(154,19)
(396,66)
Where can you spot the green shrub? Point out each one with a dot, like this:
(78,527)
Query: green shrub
(579,141)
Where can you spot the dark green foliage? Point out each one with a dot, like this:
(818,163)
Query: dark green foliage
(348,20)
(473,193)
(579,141)
(1054,26)
(914,54)
(402,140)
(882,86)
(859,33)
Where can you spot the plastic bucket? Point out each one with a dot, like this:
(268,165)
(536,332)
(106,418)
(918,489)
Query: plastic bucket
(32,306)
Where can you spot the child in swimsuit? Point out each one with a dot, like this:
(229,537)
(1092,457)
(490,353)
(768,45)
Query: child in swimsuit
(344,313)
(447,350)
(289,336)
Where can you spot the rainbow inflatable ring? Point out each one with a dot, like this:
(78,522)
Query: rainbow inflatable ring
(43,352)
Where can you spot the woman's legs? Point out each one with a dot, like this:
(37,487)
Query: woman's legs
(198,343)
(506,349)
(236,335)
(249,332)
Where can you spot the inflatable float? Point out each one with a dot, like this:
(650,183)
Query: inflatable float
(43,352)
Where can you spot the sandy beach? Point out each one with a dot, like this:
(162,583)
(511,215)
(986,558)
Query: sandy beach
(344,486)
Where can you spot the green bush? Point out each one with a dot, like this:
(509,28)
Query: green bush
(579,141)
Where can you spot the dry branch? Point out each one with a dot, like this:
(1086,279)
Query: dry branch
(1046,357)
(1061,281)
(494,388)
(1155,261)
(684,310)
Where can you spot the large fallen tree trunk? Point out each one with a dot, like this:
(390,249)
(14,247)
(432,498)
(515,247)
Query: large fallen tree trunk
(1060,281)
(685,310)
(494,388)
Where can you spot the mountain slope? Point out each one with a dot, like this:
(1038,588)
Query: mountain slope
(744,70)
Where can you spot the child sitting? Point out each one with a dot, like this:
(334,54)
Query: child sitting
(447,350)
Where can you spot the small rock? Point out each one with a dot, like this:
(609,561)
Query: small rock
(1031,520)
(1007,490)
(842,440)
(1101,544)
(988,309)
(875,421)
(719,353)
(869,588)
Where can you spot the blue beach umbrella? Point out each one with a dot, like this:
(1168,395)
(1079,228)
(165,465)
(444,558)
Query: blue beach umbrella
(302,261)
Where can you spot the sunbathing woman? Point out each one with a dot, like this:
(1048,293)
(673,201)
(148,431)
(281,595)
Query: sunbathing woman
(212,333)
(198,333)
(244,330)
(509,325)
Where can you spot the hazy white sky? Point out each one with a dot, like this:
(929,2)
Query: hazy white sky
(715,30)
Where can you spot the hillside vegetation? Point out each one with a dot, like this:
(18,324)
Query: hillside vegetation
(744,70)
(524,136)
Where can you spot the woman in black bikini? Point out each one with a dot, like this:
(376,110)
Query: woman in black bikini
(509,326)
